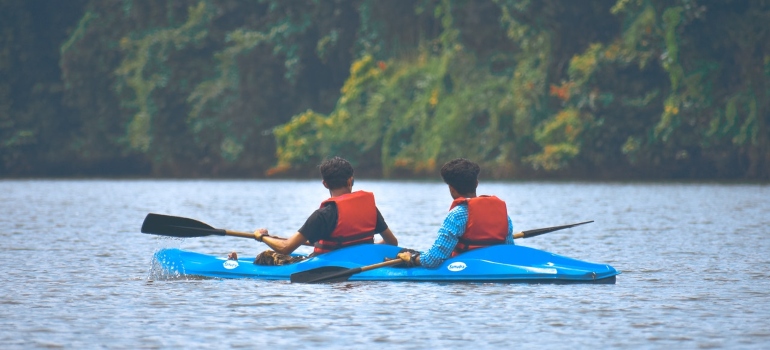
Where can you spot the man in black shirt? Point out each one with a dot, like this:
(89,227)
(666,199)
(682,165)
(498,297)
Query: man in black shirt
(346,218)
(322,222)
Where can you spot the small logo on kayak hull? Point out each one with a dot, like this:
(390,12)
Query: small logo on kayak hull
(456,266)
(230,264)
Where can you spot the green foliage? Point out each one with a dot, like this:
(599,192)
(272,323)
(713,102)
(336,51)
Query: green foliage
(31,112)
(138,74)
(409,113)
(559,137)
(412,133)
(197,85)
(530,76)
(79,32)
(644,88)
(739,121)
(590,116)
(214,91)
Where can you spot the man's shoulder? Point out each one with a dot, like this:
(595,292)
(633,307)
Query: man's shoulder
(458,213)
(318,223)
(326,210)
(459,209)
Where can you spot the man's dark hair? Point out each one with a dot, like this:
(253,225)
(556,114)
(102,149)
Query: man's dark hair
(462,174)
(336,172)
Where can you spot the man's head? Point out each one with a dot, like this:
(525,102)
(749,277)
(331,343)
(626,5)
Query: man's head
(462,175)
(336,172)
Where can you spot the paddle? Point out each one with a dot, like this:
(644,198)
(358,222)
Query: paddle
(335,273)
(175,226)
(540,231)
(341,274)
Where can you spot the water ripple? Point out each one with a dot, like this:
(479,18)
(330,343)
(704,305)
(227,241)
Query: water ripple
(696,272)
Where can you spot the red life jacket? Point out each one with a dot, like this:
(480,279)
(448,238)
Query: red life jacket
(487,223)
(356,221)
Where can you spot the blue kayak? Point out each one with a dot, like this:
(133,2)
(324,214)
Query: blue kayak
(502,263)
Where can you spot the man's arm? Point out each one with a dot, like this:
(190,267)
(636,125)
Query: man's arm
(388,237)
(282,246)
(449,234)
(382,228)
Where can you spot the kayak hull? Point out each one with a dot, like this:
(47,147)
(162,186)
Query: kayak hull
(502,263)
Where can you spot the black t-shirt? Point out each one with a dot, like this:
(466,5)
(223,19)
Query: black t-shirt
(322,222)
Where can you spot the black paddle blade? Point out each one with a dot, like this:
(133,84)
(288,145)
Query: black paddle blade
(323,275)
(540,231)
(175,226)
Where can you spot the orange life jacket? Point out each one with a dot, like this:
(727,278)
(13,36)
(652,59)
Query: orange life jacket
(487,223)
(356,221)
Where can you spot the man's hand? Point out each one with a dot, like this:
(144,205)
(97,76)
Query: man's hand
(409,256)
(260,233)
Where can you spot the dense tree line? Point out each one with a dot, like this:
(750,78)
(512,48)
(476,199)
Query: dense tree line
(602,89)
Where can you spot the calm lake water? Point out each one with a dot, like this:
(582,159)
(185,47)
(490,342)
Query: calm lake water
(695,262)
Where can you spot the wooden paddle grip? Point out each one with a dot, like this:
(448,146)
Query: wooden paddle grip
(240,234)
(382,264)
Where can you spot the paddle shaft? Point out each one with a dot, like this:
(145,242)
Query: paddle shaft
(382,264)
(241,234)
(540,231)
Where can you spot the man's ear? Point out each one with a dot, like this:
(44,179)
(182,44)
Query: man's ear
(324,182)
(350,182)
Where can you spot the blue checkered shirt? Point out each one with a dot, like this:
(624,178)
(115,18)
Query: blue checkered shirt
(449,234)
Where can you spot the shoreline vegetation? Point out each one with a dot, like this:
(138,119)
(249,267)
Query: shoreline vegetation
(552,90)
(426,180)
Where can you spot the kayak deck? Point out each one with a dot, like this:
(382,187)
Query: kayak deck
(502,263)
